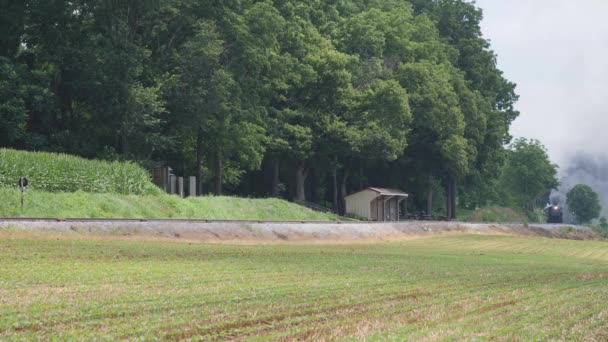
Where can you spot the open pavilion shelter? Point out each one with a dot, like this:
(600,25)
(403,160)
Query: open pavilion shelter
(375,204)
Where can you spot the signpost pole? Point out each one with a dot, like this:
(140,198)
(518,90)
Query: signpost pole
(22,185)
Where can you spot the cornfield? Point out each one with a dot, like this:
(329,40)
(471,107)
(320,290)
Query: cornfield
(64,173)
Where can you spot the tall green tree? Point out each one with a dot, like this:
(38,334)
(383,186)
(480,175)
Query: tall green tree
(459,23)
(13,111)
(528,173)
(584,203)
(13,18)
(333,95)
(438,140)
(198,81)
(213,103)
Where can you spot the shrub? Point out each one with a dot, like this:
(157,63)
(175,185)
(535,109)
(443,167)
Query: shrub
(567,229)
(537,216)
(64,173)
(602,228)
(496,214)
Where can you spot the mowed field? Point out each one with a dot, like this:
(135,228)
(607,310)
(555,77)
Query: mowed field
(460,287)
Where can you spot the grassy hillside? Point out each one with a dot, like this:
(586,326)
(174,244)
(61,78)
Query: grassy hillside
(61,172)
(442,288)
(71,187)
(89,205)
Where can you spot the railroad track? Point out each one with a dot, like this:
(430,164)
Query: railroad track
(77,220)
(118,220)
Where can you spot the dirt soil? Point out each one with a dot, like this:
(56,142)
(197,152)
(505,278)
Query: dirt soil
(252,233)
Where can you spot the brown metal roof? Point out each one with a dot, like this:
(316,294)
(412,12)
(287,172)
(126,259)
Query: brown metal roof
(389,192)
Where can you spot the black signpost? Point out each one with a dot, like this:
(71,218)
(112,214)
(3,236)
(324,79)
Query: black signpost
(22,185)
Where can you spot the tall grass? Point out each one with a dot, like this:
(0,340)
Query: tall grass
(54,172)
(492,214)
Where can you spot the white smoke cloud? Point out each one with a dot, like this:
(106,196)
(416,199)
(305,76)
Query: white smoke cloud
(556,52)
(589,170)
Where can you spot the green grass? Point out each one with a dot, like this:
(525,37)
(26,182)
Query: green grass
(90,205)
(61,172)
(466,287)
(491,214)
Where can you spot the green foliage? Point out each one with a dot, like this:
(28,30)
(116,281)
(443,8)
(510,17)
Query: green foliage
(537,216)
(602,228)
(567,229)
(63,173)
(213,105)
(383,125)
(22,94)
(386,92)
(493,214)
(528,173)
(13,111)
(584,203)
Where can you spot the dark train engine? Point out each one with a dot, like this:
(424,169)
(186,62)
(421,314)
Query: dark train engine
(555,213)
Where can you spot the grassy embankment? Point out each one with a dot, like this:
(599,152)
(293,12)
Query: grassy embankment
(91,205)
(71,187)
(491,214)
(458,287)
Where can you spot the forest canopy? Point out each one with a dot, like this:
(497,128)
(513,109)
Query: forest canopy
(303,99)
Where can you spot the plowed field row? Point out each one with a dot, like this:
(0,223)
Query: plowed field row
(460,287)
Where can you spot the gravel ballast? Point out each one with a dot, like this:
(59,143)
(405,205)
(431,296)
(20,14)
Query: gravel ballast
(286,232)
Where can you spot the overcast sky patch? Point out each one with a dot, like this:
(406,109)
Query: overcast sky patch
(557,53)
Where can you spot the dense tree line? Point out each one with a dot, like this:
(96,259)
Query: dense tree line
(305,99)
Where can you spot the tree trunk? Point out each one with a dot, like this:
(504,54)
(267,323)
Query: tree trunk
(343,193)
(199,162)
(124,141)
(448,201)
(361,176)
(313,186)
(451,199)
(429,197)
(218,173)
(334,179)
(301,174)
(275,178)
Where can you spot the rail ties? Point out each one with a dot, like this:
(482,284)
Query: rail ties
(118,220)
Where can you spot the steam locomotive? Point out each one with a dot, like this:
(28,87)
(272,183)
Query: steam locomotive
(555,213)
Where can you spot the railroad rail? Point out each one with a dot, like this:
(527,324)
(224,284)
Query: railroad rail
(182,220)
(76,220)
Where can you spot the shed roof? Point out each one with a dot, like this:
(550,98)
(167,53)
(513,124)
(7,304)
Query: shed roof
(385,192)
(389,192)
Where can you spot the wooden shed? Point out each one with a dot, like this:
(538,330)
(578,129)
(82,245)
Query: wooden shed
(375,204)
